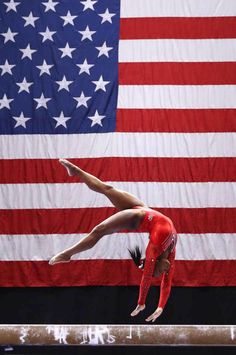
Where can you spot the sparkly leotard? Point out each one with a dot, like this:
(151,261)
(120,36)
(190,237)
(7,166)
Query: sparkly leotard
(162,237)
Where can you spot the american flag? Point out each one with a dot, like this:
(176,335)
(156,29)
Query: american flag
(140,93)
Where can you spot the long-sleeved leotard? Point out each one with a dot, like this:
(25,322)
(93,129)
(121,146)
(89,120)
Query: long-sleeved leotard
(166,282)
(162,237)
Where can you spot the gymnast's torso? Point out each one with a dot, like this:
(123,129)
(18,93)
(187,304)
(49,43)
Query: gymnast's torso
(160,228)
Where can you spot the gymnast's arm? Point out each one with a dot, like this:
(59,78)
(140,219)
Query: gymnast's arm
(166,282)
(164,290)
(152,253)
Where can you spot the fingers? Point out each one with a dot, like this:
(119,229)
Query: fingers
(134,313)
(151,318)
(154,315)
(137,310)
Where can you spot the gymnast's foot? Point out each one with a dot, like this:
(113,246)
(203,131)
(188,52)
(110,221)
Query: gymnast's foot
(60,258)
(71,168)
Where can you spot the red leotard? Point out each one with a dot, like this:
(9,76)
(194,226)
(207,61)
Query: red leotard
(162,236)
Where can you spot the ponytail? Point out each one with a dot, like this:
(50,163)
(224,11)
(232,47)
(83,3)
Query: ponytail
(136,256)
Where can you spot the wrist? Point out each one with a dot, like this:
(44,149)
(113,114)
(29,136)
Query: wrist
(141,306)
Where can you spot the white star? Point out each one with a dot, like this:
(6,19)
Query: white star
(100,84)
(68,19)
(85,67)
(103,50)
(24,86)
(96,119)
(106,16)
(27,52)
(87,34)
(5,102)
(30,20)
(47,35)
(61,120)
(42,101)
(21,120)
(9,36)
(88,4)
(82,100)
(11,5)
(6,68)
(66,51)
(64,84)
(45,68)
(50,5)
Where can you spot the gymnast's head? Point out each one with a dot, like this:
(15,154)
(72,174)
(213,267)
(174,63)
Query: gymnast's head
(162,264)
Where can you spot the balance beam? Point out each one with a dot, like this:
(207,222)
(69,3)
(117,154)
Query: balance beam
(122,335)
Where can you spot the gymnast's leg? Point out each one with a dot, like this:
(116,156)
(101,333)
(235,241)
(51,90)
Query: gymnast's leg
(123,201)
(127,219)
(120,199)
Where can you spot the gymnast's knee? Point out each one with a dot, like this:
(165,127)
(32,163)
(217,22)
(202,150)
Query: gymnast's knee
(101,187)
(99,231)
(108,189)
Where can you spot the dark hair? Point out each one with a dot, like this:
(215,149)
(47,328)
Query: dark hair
(136,256)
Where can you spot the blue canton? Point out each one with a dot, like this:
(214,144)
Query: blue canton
(58,66)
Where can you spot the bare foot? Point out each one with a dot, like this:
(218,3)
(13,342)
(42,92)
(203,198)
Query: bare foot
(71,168)
(59,258)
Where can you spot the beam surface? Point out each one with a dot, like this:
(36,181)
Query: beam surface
(95,334)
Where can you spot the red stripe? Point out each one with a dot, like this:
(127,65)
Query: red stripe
(63,221)
(109,169)
(176,120)
(111,273)
(213,73)
(178,28)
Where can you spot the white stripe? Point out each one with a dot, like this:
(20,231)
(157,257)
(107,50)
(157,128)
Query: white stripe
(43,247)
(206,247)
(178,8)
(154,194)
(177,96)
(177,50)
(189,145)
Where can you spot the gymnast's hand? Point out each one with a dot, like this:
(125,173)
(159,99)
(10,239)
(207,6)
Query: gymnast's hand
(138,309)
(155,315)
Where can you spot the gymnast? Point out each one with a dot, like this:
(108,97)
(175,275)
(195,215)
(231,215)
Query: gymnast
(133,214)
